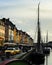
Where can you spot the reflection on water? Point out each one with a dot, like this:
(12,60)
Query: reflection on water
(49,59)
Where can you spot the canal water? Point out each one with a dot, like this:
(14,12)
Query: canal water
(49,59)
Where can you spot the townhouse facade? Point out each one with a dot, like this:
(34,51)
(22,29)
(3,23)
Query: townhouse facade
(9,33)
(2,32)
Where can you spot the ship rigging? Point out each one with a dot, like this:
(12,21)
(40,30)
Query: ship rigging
(39,56)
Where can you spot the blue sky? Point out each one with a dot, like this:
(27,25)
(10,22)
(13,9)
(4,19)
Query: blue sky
(23,13)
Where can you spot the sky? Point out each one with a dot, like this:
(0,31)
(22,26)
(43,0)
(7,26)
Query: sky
(23,13)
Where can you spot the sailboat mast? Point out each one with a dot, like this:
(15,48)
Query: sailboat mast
(39,33)
(47,37)
(38,40)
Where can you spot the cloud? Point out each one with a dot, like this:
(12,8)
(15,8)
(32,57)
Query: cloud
(25,10)
(23,13)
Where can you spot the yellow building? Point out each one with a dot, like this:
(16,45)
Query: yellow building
(9,33)
(24,38)
(19,37)
(2,32)
(15,34)
(27,39)
(11,36)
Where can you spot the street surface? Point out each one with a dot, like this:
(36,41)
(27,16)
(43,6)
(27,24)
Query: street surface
(15,56)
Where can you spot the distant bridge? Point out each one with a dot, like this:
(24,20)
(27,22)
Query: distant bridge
(49,44)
